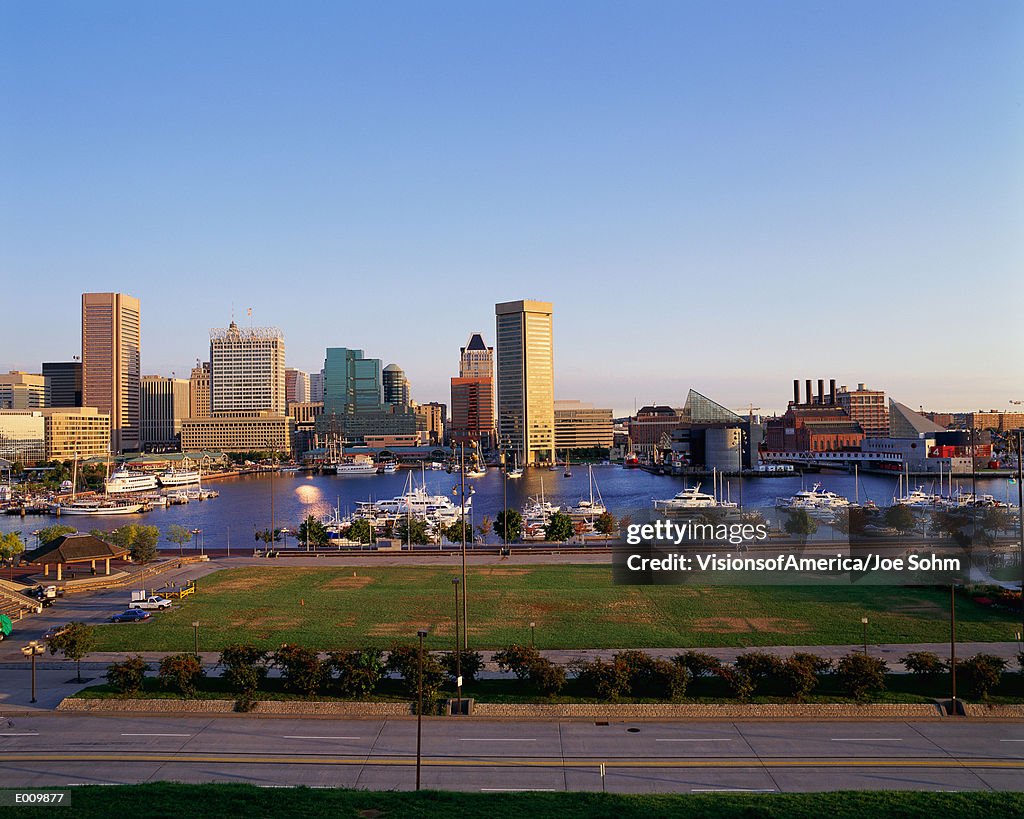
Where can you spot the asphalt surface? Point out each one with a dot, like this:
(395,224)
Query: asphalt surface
(476,755)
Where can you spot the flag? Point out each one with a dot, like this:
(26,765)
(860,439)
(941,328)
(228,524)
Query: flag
(250,311)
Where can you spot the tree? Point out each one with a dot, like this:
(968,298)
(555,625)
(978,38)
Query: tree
(469,664)
(901,518)
(509,525)
(75,642)
(801,672)
(455,531)
(178,534)
(267,536)
(800,524)
(48,534)
(360,531)
(981,673)
(485,527)
(312,532)
(140,541)
(358,672)
(559,527)
(245,667)
(605,523)
(413,530)
(300,667)
(924,664)
(11,545)
(405,659)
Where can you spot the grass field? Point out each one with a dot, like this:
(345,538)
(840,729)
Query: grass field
(573,607)
(231,801)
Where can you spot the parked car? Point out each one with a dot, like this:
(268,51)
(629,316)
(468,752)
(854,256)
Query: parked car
(130,616)
(153,601)
(54,631)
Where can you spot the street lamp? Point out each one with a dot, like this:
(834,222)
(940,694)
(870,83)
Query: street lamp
(864,625)
(460,490)
(953,710)
(195,627)
(33,650)
(458,652)
(195,536)
(533,634)
(419,710)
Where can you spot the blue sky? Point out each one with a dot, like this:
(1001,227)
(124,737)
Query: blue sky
(723,195)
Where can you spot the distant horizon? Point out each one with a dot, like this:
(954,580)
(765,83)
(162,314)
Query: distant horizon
(717,197)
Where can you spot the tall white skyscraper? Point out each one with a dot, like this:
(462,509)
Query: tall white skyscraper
(247,370)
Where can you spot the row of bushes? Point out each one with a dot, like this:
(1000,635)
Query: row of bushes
(356,674)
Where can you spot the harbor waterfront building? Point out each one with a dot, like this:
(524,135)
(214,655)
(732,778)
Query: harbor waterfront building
(472,395)
(111,366)
(84,431)
(579,425)
(20,390)
(352,382)
(430,422)
(524,366)
(164,405)
(239,432)
(199,391)
(63,383)
(247,370)
(867,408)
(22,436)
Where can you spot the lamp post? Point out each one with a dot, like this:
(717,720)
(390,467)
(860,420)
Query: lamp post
(458,652)
(952,649)
(33,650)
(504,493)
(460,490)
(419,710)
(195,632)
(864,626)
(533,634)
(195,538)
(1020,509)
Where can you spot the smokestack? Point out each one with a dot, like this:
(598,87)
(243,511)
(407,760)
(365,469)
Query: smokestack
(832,391)
(821,391)
(796,390)
(807,385)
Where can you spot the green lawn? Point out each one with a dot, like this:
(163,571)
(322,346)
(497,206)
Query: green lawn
(573,607)
(231,801)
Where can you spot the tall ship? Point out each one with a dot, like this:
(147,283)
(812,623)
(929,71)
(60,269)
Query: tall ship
(338,463)
(180,477)
(123,480)
(99,506)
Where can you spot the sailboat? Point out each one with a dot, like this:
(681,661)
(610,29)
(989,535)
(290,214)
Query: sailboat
(96,506)
(593,507)
(568,471)
(516,471)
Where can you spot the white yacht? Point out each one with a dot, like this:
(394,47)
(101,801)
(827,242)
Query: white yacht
(814,501)
(920,499)
(127,480)
(179,477)
(687,499)
(355,466)
(98,506)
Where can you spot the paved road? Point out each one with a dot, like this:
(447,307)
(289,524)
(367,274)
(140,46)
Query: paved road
(476,755)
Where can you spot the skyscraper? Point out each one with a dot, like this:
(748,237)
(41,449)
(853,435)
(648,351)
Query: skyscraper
(111,334)
(20,390)
(199,391)
(352,383)
(63,383)
(473,394)
(525,378)
(296,386)
(396,386)
(164,404)
(247,370)
(316,386)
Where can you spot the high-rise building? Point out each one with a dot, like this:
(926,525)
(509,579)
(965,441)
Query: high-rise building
(525,378)
(111,338)
(247,370)
(296,386)
(199,391)
(352,383)
(473,394)
(63,383)
(316,386)
(71,431)
(20,390)
(164,405)
(476,359)
(430,421)
(395,385)
(22,436)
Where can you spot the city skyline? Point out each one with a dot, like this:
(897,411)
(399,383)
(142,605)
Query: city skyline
(712,200)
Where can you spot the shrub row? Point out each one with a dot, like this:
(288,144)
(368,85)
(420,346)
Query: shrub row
(355,674)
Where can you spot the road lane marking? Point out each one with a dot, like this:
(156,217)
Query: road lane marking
(442,762)
(867,739)
(1011,740)
(292,736)
(732,790)
(495,739)
(26,734)
(694,740)
(517,790)
(156,735)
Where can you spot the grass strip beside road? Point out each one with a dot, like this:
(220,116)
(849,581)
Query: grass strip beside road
(231,801)
(573,606)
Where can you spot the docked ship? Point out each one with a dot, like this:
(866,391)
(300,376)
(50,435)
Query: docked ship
(814,501)
(180,477)
(124,480)
(352,467)
(589,508)
(690,499)
(98,506)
